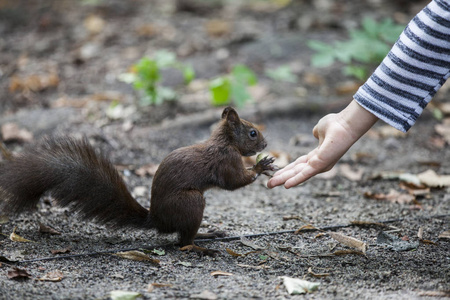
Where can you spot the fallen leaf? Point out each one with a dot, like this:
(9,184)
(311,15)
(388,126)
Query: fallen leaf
(54,276)
(245,241)
(317,275)
(12,132)
(17,273)
(347,87)
(420,233)
(439,294)
(205,295)
(152,286)
(35,83)
(431,179)
(217,28)
(296,286)
(17,238)
(185,263)
(349,241)
(220,273)
(47,229)
(60,251)
(147,170)
(392,196)
(351,173)
(232,253)
(444,235)
(94,24)
(140,191)
(137,256)
(292,217)
(305,228)
(123,295)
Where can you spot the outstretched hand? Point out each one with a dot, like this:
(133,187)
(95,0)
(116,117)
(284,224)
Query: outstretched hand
(336,134)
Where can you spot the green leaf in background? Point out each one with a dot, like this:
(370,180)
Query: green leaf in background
(239,93)
(165,58)
(368,45)
(220,89)
(282,73)
(358,72)
(244,75)
(188,74)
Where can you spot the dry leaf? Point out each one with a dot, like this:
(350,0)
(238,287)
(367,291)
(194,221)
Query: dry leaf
(305,228)
(232,253)
(351,173)
(12,132)
(349,241)
(297,286)
(47,229)
(152,286)
(60,251)
(17,238)
(318,275)
(137,256)
(431,179)
(217,28)
(94,24)
(439,294)
(17,273)
(149,169)
(54,276)
(392,196)
(123,295)
(35,83)
(245,241)
(444,235)
(261,267)
(205,295)
(347,87)
(389,131)
(420,233)
(220,273)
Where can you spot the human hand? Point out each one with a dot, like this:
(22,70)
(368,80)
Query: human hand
(336,134)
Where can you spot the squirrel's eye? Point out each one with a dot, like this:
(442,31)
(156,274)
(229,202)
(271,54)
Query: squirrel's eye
(253,133)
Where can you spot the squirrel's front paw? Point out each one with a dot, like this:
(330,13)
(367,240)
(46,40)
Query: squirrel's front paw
(265,164)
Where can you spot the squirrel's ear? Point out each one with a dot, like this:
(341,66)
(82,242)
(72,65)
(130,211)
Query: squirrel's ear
(231,115)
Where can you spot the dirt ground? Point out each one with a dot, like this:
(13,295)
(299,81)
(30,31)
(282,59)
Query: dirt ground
(53,39)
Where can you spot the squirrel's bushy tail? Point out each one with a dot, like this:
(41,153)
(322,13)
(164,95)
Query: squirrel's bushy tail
(73,174)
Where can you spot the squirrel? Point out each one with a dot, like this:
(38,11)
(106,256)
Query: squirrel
(74,175)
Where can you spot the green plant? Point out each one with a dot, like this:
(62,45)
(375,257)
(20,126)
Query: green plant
(232,87)
(146,76)
(282,73)
(366,47)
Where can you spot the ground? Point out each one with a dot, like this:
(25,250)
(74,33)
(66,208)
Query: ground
(58,71)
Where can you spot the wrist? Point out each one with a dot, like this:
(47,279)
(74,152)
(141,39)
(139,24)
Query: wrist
(356,120)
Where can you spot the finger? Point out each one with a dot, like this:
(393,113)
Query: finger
(306,173)
(301,159)
(282,178)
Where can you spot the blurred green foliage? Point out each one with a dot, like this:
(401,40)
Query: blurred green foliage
(366,47)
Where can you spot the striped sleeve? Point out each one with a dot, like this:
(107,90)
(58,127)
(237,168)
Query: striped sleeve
(413,71)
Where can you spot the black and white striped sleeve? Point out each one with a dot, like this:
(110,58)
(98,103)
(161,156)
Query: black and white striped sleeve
(413,71)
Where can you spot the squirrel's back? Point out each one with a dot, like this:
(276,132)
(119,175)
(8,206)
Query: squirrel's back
(73,174)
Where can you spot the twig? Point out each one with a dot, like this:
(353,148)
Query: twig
(222,239)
